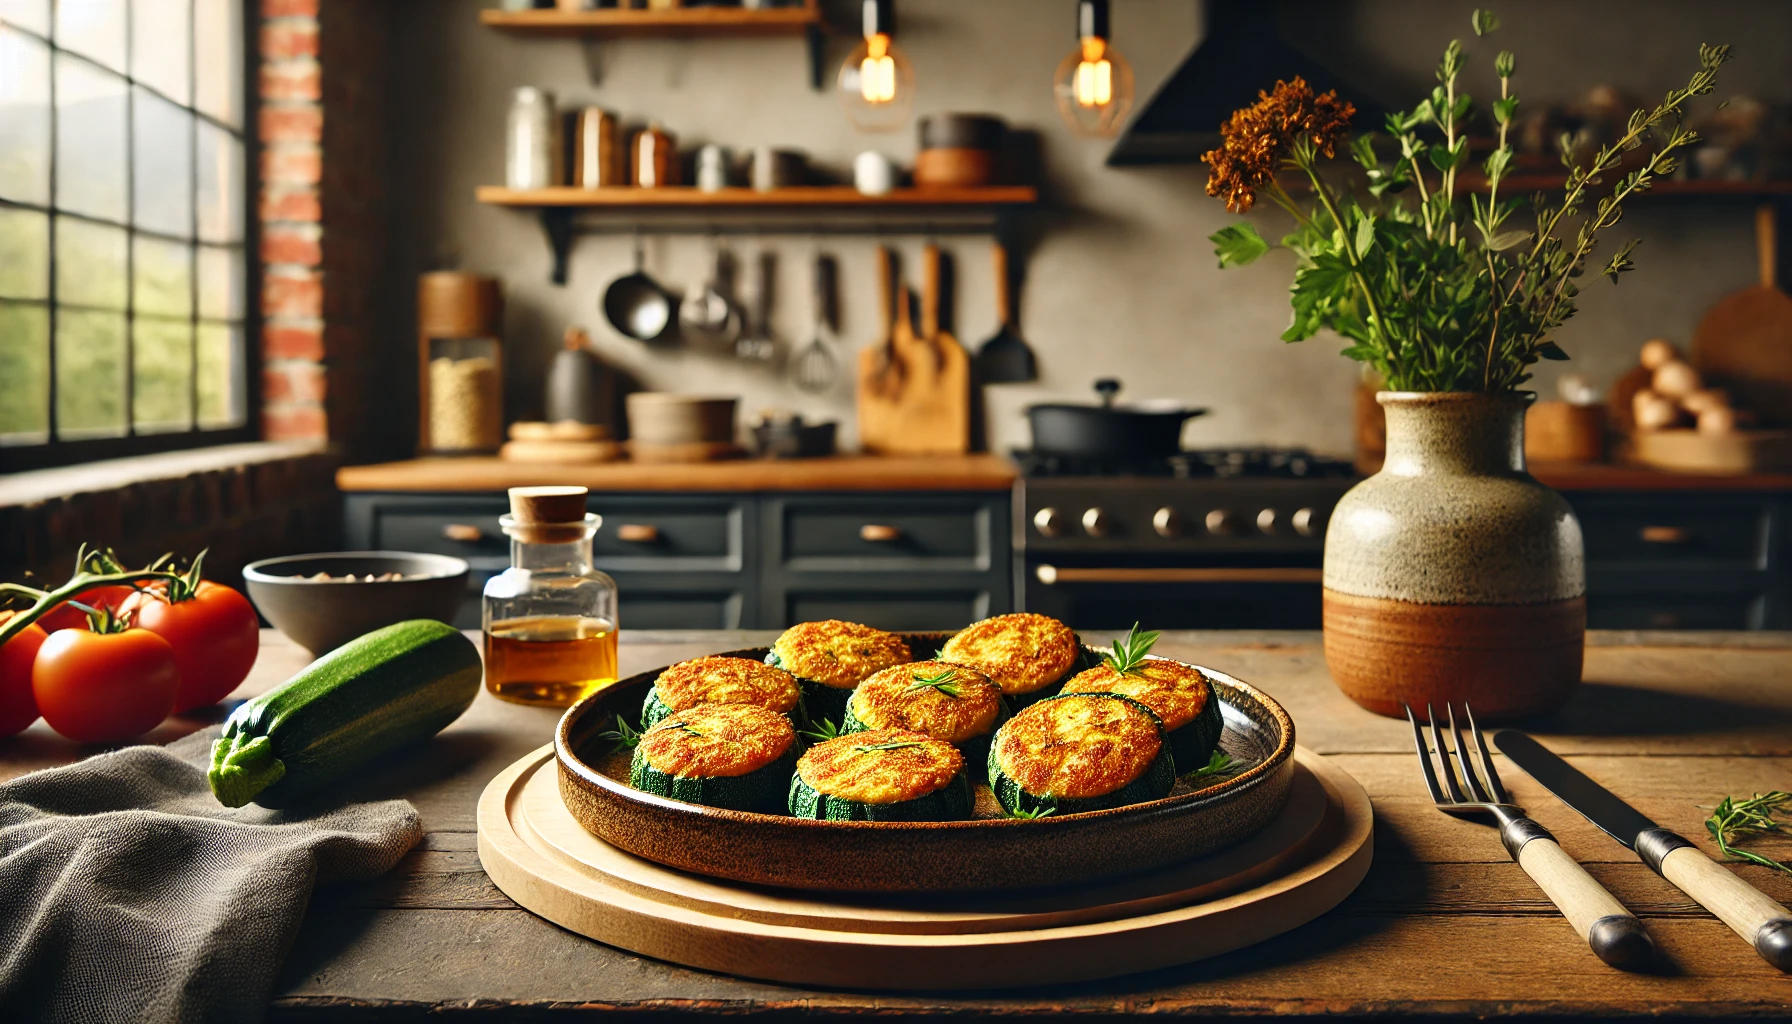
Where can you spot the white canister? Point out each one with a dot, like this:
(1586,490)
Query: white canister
(712,168)
(532,150)
(873,173)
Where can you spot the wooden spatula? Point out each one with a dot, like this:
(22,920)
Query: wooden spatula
(1744,343)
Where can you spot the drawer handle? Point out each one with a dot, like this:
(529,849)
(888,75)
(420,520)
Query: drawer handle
(875,533)
(466,533)
(1666,535)
(638,533)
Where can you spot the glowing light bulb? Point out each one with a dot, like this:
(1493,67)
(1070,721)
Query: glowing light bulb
(1093,85)
(876,83)
(877,72)
(1094,75)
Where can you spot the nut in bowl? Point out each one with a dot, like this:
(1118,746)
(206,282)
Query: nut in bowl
(359,592)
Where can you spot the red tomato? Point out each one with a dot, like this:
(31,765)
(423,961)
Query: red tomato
(215,636)
(67,616)
(18,708)
(104,687)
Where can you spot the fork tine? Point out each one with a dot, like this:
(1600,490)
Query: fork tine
(1443,756)
(1468,767)
(1493,777)
(1418,735)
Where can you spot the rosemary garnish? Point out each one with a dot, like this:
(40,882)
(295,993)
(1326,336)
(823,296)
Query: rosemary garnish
(682,727)
(866,748)
(1042,811)
(623,737)
(1130,650)
(945,682)
(1738,821)
(820,730)
(1218,766)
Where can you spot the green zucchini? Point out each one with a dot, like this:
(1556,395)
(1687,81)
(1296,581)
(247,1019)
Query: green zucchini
(737,756)
(760,791)
(881,775)
(953,803)
(820,702)
(344,711)
(1192,744)
(1154,783)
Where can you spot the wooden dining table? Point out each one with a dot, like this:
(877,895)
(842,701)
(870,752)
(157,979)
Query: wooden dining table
(1445,925)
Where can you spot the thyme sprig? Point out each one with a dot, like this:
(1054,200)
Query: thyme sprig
(1130,651)
(867,748)
(1042,811)
(1218,766)
(945,682)
(623,737)
(820,730)
(1738,821)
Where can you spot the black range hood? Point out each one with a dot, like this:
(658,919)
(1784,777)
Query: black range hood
(1243,53)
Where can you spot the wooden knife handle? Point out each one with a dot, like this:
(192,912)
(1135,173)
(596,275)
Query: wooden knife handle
(1004,297)
(1614,933)
(1767,244)
(1748,911)
(930,291)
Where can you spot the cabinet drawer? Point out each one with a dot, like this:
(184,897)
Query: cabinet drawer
(666,534)
(1667,531)
(945,608)
(465,528)
(884,534)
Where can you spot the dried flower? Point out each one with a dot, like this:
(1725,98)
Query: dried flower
(1256,138)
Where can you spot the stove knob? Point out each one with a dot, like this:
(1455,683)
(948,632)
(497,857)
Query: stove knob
(1222,521)
(1096,522)
(1266,520)
(1048,522)
(1167,522)
(1305,522)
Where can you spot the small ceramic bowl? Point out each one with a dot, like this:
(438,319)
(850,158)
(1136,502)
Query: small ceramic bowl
(322,615)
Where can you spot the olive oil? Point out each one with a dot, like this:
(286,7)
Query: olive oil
(551,660)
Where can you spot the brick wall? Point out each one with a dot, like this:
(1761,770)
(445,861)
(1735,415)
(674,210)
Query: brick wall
(323,225)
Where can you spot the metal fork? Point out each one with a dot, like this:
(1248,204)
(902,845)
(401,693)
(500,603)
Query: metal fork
(1614,933)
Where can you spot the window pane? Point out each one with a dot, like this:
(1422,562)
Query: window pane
(24,117)
(94,28)
(160,30)
(164,278)
(162,178)
(220,185)
(24,374)
(90,363)
(90,267)
(221,279)
(24,254)
(31,14)
(90,134)
(218,41)
(162,373)
(221,390)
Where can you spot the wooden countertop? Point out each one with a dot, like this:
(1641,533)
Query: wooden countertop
(1601,476)
(836,473)
(1445,925)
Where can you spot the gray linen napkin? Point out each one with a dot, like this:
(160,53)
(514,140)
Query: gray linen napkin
(127,893)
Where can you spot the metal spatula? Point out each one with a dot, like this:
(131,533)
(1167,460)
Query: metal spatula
(815,368)
(1004,358)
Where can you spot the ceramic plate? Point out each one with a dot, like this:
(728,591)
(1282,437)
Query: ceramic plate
(988,852)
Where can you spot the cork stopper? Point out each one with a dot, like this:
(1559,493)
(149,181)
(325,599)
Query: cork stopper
(547,515)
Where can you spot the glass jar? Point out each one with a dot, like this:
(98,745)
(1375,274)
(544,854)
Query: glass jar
(550,619)
(532,150)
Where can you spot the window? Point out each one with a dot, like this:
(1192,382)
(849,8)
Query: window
(123,192)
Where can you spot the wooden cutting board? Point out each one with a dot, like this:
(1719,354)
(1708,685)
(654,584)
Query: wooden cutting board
(1744,343)
(915,391)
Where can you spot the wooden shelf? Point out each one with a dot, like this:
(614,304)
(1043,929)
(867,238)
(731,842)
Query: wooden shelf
(811,196)
(678,21)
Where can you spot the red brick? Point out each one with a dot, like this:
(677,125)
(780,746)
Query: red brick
(292,164)
(298,294)
(288,382)
(291,80)
(289,8)
(300,206)
(292,123)
(298,244)
(292,341)
(294,423)
(285,39)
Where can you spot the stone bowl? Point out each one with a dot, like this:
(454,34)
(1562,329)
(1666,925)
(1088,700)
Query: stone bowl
(322,615)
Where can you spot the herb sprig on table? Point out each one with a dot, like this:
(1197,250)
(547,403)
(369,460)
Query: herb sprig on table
(1738,821)
(1130,651)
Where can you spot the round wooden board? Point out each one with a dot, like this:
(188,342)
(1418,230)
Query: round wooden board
(1304,863)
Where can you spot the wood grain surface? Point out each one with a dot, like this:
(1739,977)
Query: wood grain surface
(1444,925)
(836,473)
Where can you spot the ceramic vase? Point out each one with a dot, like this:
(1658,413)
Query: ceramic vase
(1452,574)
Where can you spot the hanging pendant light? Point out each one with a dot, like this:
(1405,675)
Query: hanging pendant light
(877,83)
(1093,85)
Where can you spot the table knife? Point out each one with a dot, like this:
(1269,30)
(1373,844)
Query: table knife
(1748,911)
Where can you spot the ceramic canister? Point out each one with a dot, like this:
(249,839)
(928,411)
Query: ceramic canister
(1452,574)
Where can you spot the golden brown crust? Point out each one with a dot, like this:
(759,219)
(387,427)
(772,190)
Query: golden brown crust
(895,698)
(721,680)
(1023,653)
(838,654)
(1177,692)
(717,740)
(865,767)
(1078,746)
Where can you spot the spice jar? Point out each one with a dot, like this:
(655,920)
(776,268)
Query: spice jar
(460,364)
(653,158)
(596,152)
(549,619)
(532,143)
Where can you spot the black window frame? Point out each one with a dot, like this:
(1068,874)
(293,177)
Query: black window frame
(56,452)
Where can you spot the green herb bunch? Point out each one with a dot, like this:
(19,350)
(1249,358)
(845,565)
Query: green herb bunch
(1436,285)
(1737,821)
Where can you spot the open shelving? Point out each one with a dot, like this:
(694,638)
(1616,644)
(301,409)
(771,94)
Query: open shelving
(673,21)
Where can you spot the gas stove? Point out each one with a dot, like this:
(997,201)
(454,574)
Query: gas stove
(1228,538)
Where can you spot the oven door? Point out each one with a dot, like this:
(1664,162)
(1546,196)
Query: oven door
(1111,591)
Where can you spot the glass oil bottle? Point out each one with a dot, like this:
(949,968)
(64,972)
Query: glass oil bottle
(550,619)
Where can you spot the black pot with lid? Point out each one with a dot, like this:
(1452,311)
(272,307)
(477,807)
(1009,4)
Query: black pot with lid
(1140,431)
